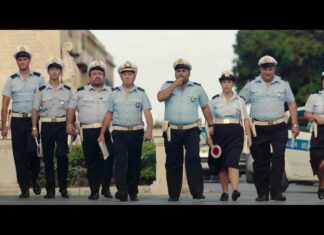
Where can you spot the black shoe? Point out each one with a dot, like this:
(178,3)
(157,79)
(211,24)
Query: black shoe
(93,196)
(64,193)
(173,199)
(224,197)
(50,194)
(235,195)
(199,196)
(278,197)
(36,187)
(121,197)
(262,198)
(320,193)
(106,193)
(24,194)
(133,198)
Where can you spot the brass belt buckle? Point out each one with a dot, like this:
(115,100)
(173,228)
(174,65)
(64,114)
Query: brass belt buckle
(180,127)
(226,121)
(25,115)
(271,122)
(54,119)
(130,128)
(96,125)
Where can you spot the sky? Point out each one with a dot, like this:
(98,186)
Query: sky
(210,52)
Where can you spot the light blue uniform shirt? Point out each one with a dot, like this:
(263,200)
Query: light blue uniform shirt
(22,90)
(267,103)
(52,102)
(90,104)
(127,108)
(221,108)
(315,103)
(181,107)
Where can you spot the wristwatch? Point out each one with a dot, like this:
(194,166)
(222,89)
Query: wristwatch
(296,125)
(34,128)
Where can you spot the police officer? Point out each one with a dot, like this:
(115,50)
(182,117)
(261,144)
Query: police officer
(125,107)
(51,102)
(228,111)
(182,98)
(91,102)
(21,87)
(268,94)
(314,112)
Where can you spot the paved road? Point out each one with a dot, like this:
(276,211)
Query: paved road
(296,195)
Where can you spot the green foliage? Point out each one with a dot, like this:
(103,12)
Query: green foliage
(77,175)
(300,55)
(148,163)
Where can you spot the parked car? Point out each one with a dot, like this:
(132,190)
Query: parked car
(297,165)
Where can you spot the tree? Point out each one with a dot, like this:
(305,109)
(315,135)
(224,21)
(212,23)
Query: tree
(300,56)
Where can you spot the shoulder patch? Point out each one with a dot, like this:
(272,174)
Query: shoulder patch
(251,79)
(42,88)
(36,74)
(140,89)
(80,88)
(14,76)
(215,96)
(169,81)
(198,84)
(67,87)
(115,89)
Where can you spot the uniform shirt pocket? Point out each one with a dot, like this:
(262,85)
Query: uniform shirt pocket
(192,99)
(64,101)
(138,104)
(280,93)
(318,108)
(47,101)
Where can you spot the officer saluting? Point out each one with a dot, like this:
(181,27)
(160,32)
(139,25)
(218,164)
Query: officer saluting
(51,102)
(314,112)
(268,94)
(21,87)
(91,103)
(182,99)
(125,107)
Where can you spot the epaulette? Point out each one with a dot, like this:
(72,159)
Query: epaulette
(251,79)
(67,87)
(42,88)
(14,76)
(141,89)
(198,84)
(215,96)
(115,89)
(36,74)
(242,97)
(169,81)
(80,88)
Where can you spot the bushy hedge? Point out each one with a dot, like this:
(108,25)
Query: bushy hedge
(77,175)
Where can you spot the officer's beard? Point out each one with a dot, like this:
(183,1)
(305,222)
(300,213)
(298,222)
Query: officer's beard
(97,83)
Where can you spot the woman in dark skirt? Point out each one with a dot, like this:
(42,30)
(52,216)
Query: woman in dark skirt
(228,134)
(314,112)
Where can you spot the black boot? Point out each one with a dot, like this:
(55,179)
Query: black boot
(64,193)
(106,192)
(24,194)
(36,186)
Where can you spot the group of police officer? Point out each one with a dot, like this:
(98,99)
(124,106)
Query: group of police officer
(44,115)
